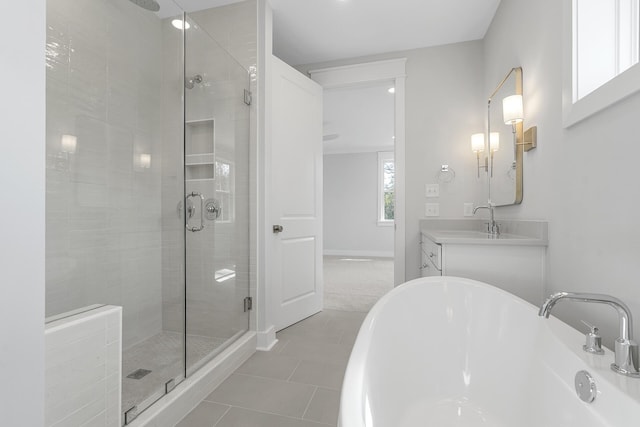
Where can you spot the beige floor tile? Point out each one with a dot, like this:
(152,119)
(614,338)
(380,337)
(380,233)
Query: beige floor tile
(318,351)
(349,338)
(277,348)
(263,394)
(320,374)
(324,407)
(269,365)
(206,414)
(324,333)
(238,417)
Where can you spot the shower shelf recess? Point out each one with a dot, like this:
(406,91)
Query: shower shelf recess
(199,147)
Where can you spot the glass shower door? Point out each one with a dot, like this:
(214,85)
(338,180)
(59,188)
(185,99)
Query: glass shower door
(216,197)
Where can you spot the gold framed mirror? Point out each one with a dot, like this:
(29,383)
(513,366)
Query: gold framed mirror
(505,135)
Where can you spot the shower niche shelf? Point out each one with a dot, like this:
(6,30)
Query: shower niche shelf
(199,150)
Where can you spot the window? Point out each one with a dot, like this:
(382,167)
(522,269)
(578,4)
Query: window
(386,188)
(605,42)
(603,37)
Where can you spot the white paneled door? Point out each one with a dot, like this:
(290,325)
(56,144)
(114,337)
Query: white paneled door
(296,195)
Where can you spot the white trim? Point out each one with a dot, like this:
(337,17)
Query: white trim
(615,90)
(267,339)
(349,75)
(393,69)
(388,223)
(263,312)
(356,253)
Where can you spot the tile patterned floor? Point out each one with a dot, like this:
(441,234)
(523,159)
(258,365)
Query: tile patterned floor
(297,384)
(163,355)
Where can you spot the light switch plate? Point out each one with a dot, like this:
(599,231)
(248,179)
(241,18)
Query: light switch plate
(468,209)
(432,209)
(431,190)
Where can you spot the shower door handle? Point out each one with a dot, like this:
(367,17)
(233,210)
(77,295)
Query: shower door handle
(189,227)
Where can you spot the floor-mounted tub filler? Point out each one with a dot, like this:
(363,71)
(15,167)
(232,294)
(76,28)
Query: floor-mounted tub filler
(446,351)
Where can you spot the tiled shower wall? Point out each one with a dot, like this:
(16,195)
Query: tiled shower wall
(103,238)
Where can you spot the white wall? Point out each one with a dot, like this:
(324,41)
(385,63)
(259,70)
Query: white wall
(445,104)
(582,179)
(350,207)
(22,185)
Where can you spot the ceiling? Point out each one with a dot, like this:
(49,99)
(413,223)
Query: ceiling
(358,119)
(311,31)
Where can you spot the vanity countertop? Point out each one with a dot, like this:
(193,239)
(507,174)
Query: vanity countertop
(469,232)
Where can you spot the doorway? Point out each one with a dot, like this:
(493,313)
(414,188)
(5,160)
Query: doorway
(359,201)
(382,74)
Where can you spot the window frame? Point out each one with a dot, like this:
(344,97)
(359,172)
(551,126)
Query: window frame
(618,88)
(384,156)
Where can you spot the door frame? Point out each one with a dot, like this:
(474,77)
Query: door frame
(370,72)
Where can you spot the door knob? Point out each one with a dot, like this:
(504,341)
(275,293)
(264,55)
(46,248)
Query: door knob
(278,229)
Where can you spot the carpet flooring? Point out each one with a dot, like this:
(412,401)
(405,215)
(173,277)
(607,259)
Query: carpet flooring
(356,283)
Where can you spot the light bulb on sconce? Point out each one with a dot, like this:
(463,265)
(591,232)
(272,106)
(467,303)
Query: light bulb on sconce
(512,110)
(477,142)
(477,146)
(494,141)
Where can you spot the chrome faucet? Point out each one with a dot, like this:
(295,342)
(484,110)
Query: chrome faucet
(626,349)
(492,227)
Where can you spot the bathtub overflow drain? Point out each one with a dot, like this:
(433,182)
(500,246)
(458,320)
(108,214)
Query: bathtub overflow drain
(585,386)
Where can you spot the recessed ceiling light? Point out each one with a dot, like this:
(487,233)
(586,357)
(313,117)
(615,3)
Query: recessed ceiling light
(392,90)
(178,24)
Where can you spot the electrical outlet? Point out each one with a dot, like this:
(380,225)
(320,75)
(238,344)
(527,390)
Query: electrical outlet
(431,190)
(432,209)
(468,209)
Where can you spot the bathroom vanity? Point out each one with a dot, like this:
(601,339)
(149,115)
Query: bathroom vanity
(513,261)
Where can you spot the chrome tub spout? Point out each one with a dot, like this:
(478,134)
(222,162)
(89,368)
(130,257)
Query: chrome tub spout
(626,349)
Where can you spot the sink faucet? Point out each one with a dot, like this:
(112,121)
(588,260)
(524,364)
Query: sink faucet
(626,349)
(492,227)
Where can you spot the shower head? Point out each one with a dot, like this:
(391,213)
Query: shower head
(190,83)
(151,5)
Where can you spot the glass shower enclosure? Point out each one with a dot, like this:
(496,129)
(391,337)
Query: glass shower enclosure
(147,185)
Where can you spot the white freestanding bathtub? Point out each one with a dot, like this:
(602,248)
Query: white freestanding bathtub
(446,351)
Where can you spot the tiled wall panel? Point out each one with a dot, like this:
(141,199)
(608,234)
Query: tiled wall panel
(83,369)
(103,242)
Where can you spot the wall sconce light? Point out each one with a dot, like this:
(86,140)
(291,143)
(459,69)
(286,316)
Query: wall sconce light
(477,146)
(513,113)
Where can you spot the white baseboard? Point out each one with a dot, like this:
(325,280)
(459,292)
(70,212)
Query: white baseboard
(169,410)
(267,339)
(350,253)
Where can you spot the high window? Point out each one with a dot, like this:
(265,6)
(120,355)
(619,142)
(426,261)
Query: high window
(605,42)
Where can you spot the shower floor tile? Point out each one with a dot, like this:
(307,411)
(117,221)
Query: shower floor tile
(162,354)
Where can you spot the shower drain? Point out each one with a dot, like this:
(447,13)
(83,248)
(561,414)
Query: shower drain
(138,374)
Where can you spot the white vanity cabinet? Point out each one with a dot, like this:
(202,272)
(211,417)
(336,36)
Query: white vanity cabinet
(515,263)
(430,264)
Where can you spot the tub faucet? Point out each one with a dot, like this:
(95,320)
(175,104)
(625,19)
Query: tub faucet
(626,349)
(492,227)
